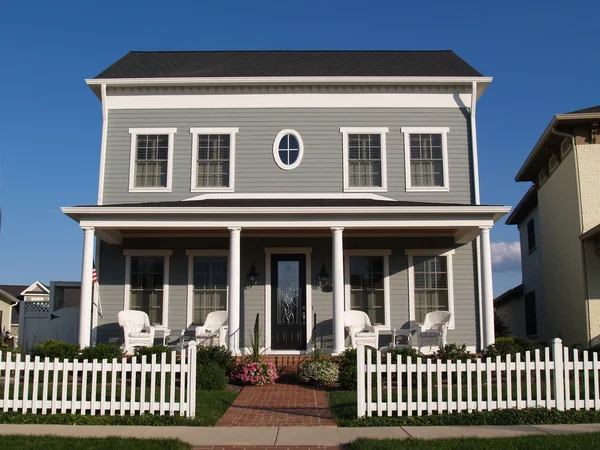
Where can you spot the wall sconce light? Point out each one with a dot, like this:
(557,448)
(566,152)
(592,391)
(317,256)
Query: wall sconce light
(252,276)
(323,277)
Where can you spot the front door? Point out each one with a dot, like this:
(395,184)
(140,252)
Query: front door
(288,302)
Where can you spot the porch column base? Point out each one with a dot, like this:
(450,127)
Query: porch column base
(85,309)
(338,290)
(233,306)
(487,294)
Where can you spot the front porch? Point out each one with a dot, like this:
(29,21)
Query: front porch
(179,260)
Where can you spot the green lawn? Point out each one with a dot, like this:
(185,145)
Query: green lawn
(210,406)
(60,443)
(343,406)
(541,442)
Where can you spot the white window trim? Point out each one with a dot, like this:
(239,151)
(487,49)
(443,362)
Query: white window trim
(346,153)
(307,251)
(276,157)
(191,254)
(411,253)
(386,279)
(195,132)
(407,131)
(134,132)
(126,298)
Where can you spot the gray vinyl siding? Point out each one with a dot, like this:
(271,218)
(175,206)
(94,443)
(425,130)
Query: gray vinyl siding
(533,277)
(255,169)
(112,277)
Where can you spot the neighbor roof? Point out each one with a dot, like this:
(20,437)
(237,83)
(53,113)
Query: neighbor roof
(509,295)
(13,289)
(527,203)
(289,63)
(592,109)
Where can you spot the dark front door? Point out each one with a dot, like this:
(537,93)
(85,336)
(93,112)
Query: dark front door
(288,302)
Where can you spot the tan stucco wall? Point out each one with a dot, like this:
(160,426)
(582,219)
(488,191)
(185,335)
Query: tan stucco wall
(562,261)
(588,157)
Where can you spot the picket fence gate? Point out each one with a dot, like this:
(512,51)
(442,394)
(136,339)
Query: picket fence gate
(100,387)
(564,379)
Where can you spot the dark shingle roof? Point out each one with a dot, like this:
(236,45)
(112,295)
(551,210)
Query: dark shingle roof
(509,295)
(527,203)
(591,109)
(13,289)
(174,64)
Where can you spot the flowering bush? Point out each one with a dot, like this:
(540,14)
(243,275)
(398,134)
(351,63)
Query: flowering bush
(319,371)
(255,372)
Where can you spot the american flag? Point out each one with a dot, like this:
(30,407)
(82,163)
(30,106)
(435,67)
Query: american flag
(94,275)
(96,292)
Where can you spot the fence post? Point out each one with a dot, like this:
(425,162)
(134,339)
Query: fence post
(191,362)
(360,380)
(559,374)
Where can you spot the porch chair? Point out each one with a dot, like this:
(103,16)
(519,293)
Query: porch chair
(214,330)
(359,328)
(136,329)
(434,328)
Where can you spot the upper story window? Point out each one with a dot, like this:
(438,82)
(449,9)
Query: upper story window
(288,149)
(426,158)
(531,235)
(151,159)
(365,167)
(213,159)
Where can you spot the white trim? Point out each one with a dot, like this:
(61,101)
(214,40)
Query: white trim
(103,143)
(33,286)
(407,131)
(191,254)
(145,252)
(364,130)
(195,132)
(386,280)
(183,81)
(126,297)
(276,143)
(134,132)
(292,195)
(269,251)
(411,253)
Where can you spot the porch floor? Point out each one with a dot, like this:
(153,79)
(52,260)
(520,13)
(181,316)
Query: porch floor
(279,405)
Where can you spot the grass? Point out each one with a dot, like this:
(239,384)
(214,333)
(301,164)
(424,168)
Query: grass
(545,442)
(60,443)
(210,406)
(343,406)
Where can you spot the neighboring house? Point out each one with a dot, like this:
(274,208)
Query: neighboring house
(293,185)
(559,224)
(37,292)
(8,302)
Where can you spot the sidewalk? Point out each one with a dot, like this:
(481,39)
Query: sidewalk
(286,437)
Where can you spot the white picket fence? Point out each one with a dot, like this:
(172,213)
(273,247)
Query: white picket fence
(563,379)
(126,386)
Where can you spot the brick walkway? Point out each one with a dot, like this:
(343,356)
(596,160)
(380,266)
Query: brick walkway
(279,405)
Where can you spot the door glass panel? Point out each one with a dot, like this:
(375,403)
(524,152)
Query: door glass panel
(288,292)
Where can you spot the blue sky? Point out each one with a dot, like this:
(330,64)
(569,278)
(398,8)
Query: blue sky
(544,60)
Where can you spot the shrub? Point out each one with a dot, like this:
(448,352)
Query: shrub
(55,349)
(153,350)
(318,371)
(500,326)
(255,372)
(404,353)
(346,362)
(211,377)
(220,356)
(102,351)
(510,346)
(453,352)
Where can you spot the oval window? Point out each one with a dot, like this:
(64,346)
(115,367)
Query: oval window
(288,149)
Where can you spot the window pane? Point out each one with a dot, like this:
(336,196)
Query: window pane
(147,283)
(152,154)
(426,156)
(293,142)
(283,155)
(213,160)
(430,284)
(367,286)
(284,142)
(210,286)
(364,155)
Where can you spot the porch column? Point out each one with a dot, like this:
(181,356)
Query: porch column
(338,290)
(487,294)
(85,308)
(233,305)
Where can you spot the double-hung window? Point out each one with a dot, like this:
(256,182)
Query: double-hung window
(430,283)
(147,284)
(207,283)
(426,158)
(364,153)
(213,159)
(151,159)
(367,284)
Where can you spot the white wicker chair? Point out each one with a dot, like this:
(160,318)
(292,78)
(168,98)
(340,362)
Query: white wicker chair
(359,328)
(434,328)
(214,330)
(136,329)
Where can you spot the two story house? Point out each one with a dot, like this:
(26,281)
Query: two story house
(559,225)
(292,185)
